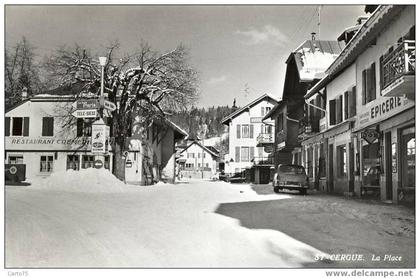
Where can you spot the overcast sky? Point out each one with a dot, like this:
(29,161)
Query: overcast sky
(232,47)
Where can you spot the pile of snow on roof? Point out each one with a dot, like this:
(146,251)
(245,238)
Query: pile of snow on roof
(85,180)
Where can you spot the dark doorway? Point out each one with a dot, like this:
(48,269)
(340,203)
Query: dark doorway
(331,168)
(388,166)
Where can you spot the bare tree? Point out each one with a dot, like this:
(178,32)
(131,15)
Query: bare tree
(145,85)
(21,71)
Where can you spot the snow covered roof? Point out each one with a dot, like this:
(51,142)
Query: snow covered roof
(203,147)
(273,110)
(233,115)
(313,57)
(359,42)
(179,130)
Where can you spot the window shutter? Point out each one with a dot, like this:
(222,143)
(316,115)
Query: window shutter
(252,153)
(364,87)
(238,131)
(26,126)
(381,73)
(340,108)
(373,82)
(352,102)
(44,126)
(251,131)
(237,155)
(79,127)
(346,105)
(332,112)
(7,126)
(51,126)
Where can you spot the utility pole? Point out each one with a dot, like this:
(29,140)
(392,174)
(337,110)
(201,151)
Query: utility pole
(319,22)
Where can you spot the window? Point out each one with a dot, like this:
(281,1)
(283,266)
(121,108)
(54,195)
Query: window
(244,154)
(72,162)
(199,155)
(350,103)
(7,126)
(267,129)
(47,126)
(245,131)
(20,126)
(46,165)
(84,128)
(204,155)
(369,84)
(342,161)
(16,159)
(88,161)
(199,165)
(207,165)
(237,154)
(265,110)
(238,131)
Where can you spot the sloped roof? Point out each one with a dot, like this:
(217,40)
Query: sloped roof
(274,109)
(236,113)
(203,147)
(313,57)
(360,41)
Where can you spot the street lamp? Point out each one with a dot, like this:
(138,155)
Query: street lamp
(102,63)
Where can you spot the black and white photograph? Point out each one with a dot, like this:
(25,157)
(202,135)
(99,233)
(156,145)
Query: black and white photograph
(202,136)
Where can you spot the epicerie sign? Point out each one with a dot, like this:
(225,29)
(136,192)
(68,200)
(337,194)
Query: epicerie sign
(382,109)
(98,138)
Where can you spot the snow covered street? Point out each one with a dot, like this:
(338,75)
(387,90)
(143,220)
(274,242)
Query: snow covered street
(190,224)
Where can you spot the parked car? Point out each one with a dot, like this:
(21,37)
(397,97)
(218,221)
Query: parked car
(289,176)
(223,176)
(237,178)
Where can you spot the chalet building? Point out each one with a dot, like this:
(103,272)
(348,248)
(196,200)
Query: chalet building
(367,125)
(198,161)
(305,66)
(247,132)
(41,137)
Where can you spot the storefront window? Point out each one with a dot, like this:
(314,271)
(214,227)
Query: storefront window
(46,165)
(16,159)
(73,162)
(408,157)
(342,161)
(371,163)
(88,161)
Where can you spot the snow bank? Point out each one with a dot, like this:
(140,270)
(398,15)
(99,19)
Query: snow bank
(85,180)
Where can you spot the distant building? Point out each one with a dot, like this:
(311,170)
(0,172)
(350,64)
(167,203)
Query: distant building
(245,125)
(197,161)
(305,66)
(367,133)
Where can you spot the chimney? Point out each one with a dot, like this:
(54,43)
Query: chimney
(24,94)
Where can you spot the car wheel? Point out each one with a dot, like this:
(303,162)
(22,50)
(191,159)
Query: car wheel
(276,189)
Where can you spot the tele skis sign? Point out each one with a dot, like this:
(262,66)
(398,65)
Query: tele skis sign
(91,113)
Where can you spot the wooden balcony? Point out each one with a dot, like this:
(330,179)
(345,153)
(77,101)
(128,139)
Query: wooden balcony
(264,139)
(398,71)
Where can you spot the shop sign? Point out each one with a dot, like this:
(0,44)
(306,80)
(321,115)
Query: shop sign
(128,164)
(98,137)
(98,164)
(370,135)
(382,109)
(86,104)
